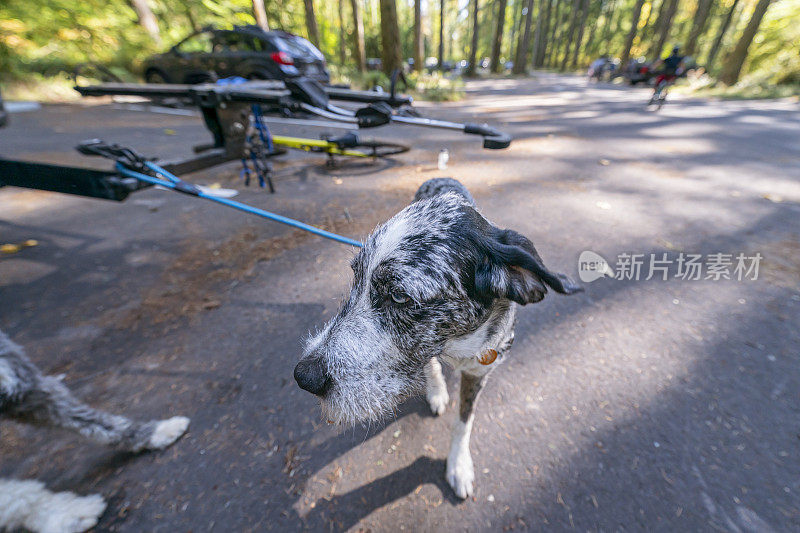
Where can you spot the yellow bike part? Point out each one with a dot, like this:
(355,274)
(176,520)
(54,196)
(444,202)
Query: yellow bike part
(314,145)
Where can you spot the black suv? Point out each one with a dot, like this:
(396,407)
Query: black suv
(246,51)
(3,114)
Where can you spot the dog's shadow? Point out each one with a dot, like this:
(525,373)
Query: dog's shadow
(343,511)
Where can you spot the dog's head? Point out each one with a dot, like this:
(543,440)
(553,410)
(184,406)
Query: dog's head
(433,273)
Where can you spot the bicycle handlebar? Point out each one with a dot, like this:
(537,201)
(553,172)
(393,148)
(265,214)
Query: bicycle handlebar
(492,138)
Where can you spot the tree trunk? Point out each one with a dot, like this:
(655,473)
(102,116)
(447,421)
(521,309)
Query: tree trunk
(733,63)
(604,33)
(472,68)
(573,17)
(537,33)
(259,13)
(588,48)
(311,22)
(524,41)
(551,42)
(663,25)
(147,19)
(626,49)
(516,28)
(579,41)
(342,35)
(441,35)
(358,36)
(698,24)
(419,47)
(497,42)
(390,37)
(712,53)
(542,43)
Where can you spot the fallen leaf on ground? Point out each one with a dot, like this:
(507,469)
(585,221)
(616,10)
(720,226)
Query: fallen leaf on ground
(10,248)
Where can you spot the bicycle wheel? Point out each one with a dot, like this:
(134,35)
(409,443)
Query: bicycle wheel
(373,148)
(662,98)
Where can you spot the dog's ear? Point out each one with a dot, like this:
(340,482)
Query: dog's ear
(511,268)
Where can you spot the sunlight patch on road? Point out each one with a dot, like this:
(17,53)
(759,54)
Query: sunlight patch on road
(23,271)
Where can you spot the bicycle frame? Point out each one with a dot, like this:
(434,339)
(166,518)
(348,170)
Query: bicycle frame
(314,145)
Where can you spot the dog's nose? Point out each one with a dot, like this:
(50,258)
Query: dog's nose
(311,375)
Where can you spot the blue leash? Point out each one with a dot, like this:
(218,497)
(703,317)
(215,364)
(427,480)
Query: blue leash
(173,182)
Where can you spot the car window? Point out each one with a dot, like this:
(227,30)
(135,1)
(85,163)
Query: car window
(200,43)
(229,41)
(264,45)
(298,47)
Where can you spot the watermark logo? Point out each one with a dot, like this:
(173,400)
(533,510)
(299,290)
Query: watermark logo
(592,266)
(685,266)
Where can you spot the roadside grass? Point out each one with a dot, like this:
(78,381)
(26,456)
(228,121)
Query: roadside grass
(742,91)
(37,88)
(59,87)
(752,87)
(434,87)
(56,89)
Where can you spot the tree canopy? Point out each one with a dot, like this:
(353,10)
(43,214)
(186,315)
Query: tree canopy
(50,36)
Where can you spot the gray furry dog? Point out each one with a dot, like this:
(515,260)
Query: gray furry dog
(28,396)
(438,281)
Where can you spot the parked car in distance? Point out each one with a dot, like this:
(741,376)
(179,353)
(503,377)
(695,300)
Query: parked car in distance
(3,114)
(246,51)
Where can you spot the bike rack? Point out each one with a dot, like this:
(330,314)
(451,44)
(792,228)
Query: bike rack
(225,110)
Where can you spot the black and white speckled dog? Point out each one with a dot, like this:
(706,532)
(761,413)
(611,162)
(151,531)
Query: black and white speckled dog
(28,396)
(437,281)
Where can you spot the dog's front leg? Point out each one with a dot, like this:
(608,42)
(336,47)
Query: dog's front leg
(460,472)
(436,387)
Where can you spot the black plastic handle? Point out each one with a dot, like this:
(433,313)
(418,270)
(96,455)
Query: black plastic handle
(492,138)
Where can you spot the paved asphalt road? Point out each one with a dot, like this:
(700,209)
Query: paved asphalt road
(638,405)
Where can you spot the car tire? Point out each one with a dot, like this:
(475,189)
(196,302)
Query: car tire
(201,77)
(258,75)
(155,76)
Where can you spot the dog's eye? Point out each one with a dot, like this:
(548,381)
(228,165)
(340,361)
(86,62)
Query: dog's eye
(399,297)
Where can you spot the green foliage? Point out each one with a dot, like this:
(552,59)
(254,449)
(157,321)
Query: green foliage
(365,81)
(775,54)
(46,38)
(436,87)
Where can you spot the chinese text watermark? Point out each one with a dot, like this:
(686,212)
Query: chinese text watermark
(664,266)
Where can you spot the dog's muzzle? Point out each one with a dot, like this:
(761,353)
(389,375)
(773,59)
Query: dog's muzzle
(312,376)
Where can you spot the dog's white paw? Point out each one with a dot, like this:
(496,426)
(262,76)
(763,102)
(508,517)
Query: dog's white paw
(438,400)
(167,432)
(461,475)
(65,512)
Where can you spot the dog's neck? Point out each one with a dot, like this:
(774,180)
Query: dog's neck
(495,333)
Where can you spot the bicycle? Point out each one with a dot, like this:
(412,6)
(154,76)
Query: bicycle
(350,145)
(260,144)
(661,90)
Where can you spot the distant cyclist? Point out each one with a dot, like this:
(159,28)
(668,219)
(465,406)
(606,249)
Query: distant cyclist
(600,66)
(673,67)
